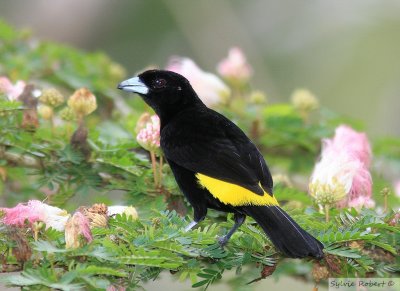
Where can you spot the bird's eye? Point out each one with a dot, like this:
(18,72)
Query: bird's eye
(159,83)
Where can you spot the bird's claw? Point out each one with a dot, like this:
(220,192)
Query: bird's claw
(223,241)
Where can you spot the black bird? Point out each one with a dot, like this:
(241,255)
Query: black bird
(215,164)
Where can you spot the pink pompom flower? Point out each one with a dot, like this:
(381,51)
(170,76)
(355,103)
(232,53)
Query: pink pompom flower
(355,144)
(149,138)
(11,90)
(149,135)
(360,202)
(235,66)
(344,165)
(211,89)
(33,211)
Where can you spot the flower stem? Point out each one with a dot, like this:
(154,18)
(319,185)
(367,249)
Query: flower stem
(385,204)
(52,124)
(154,166)
(305,115)
(160,170)
(80,120)
(385,192)
(327,212)
(68,129)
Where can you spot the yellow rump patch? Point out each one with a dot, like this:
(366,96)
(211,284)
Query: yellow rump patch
(233,194)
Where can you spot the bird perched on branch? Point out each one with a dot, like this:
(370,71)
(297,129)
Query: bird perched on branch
(215,164)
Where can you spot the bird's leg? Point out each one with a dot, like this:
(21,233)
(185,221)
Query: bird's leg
(239,219)
(200,212)
(191,225)
(198,217)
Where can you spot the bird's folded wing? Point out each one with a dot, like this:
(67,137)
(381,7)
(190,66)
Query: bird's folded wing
(221,159)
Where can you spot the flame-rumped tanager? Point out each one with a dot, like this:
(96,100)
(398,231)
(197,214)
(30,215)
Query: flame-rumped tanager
(215,164)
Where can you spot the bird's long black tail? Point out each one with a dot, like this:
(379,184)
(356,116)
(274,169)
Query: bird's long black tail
(284,232)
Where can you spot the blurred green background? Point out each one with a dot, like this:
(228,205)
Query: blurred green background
(346,52)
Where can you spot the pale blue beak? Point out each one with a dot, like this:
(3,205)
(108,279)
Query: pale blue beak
(134,85)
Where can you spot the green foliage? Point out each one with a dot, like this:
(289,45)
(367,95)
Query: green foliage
(44,163)
(22,57)
(145,247)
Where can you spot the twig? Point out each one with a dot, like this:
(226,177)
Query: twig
(20,159)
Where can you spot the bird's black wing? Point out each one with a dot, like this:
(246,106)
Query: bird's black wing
(206,142)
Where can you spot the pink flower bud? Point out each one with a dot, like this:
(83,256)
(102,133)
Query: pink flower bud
(12,91)
(149,136)
(234,66)
(142,121)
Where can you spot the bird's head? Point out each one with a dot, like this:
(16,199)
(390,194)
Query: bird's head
(165,91)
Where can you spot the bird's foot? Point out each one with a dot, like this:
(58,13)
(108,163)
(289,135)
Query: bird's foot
(223,240)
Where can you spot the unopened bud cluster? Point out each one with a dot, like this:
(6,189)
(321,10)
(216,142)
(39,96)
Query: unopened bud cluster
(67,114)
(82,102)
(258,97)
(51,97)
(46,112)
(304,100)
(327,194)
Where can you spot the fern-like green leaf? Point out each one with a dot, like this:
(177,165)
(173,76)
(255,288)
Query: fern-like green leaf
(342,251)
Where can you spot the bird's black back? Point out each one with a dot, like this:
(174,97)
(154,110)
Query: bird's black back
(204,141)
